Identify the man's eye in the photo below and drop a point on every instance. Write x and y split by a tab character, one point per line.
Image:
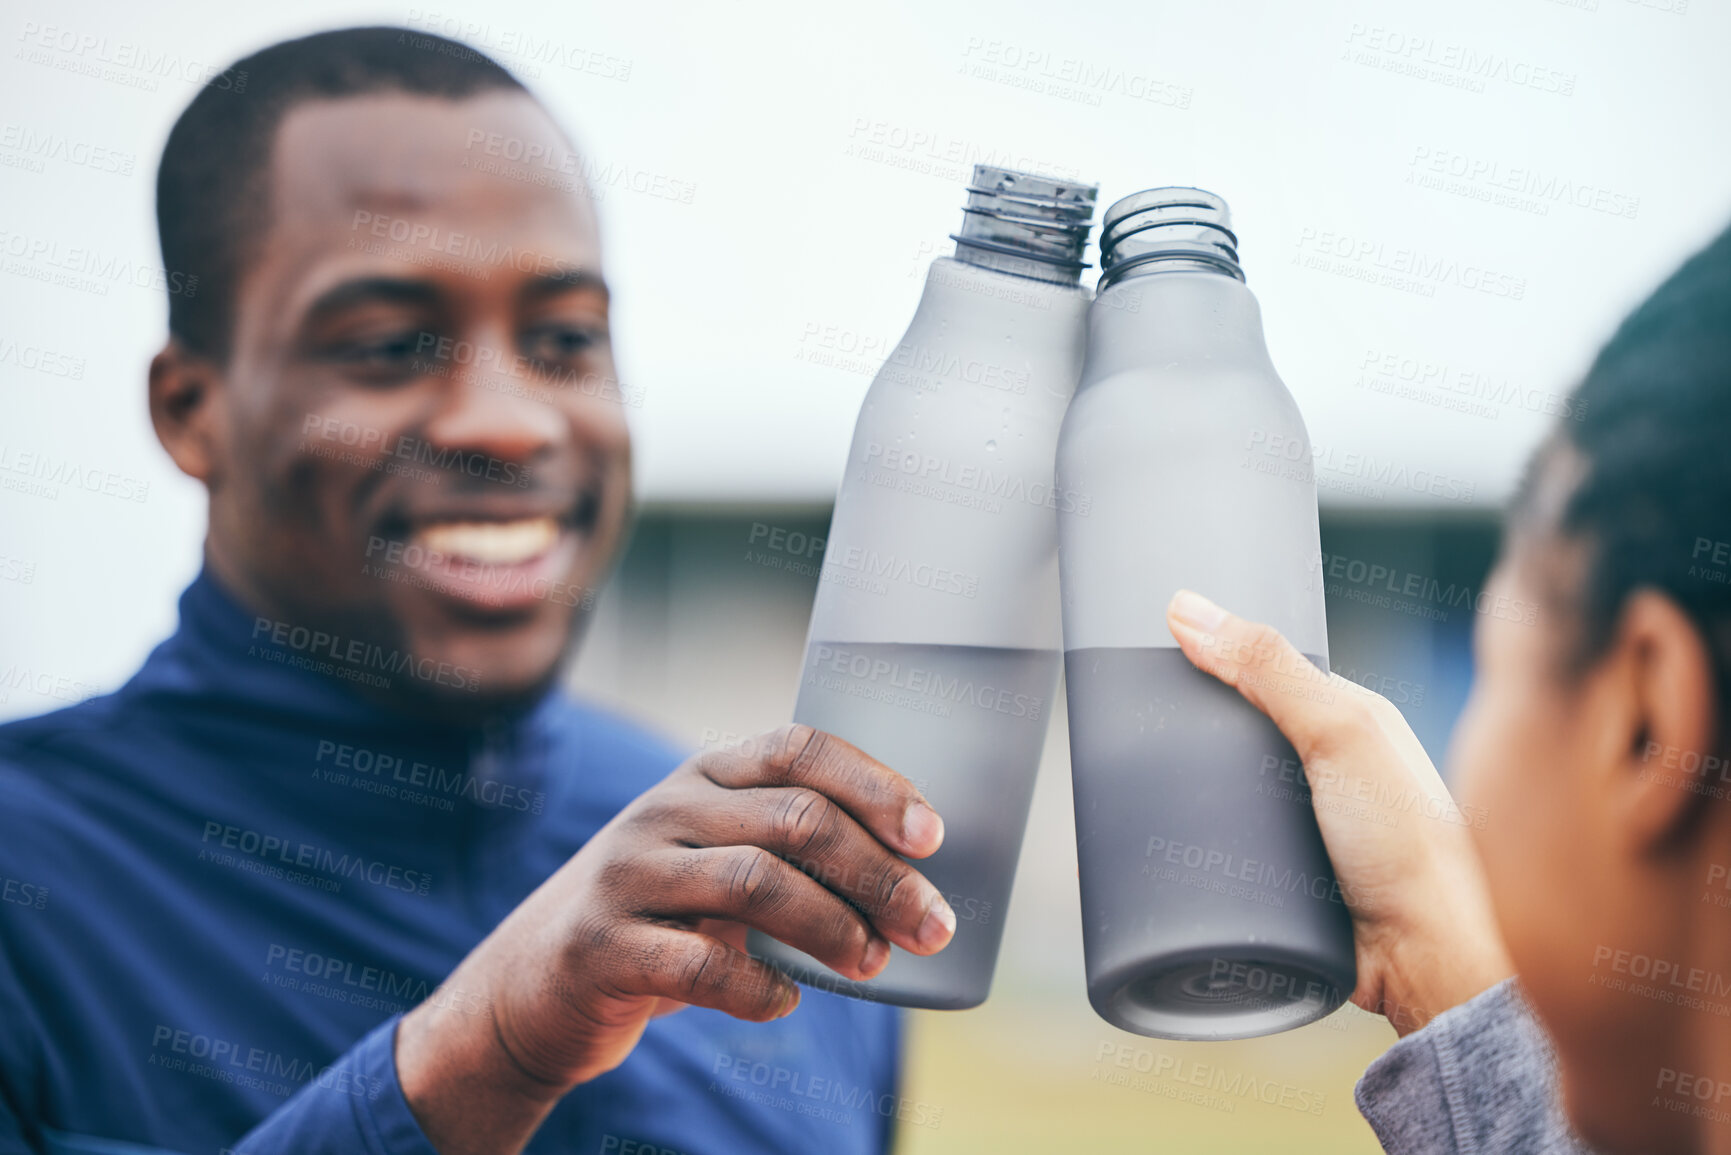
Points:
385	357
392	349
560	343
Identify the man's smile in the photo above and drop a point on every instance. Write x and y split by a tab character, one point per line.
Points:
496	557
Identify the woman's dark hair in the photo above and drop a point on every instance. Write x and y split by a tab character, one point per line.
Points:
212	187
1650	426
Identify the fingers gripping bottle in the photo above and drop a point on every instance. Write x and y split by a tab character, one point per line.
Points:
934	641
1209	909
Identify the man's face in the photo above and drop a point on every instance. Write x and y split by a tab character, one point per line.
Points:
424	443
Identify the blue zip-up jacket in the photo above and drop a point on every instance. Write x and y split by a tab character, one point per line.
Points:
221	886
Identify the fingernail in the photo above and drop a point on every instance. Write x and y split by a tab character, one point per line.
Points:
789	1002
939	923
1196	611
922	827
877	953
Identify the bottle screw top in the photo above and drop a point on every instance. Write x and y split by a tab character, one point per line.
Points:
1026	224
1167	228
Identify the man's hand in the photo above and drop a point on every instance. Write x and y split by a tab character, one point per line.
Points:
1424	933
795	833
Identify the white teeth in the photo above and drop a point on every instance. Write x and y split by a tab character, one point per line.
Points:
490	542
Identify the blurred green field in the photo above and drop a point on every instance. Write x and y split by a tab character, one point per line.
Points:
1046	1075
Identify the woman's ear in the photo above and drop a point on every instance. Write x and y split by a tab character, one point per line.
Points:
1673	768
188	409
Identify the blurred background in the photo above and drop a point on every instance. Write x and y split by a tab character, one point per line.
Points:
1443	209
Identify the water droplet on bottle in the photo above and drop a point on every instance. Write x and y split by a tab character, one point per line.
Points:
991	447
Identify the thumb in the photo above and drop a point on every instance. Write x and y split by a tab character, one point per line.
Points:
1307	704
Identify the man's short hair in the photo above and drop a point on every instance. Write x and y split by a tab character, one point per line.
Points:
213	186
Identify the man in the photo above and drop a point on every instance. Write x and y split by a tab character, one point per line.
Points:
347	787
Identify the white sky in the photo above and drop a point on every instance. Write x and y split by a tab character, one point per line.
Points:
824	154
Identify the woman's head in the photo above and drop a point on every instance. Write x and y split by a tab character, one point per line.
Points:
1596	737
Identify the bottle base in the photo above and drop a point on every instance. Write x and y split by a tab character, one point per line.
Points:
808	972
1215	997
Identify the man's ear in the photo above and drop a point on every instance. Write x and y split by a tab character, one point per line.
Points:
188	407
1672	771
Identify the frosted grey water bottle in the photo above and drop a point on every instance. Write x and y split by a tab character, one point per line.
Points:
934	641
1209	909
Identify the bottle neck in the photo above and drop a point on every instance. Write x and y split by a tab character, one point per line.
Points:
1188	316
1026	225
1016	264
1167	230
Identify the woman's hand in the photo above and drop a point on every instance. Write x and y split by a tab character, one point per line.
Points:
1423	930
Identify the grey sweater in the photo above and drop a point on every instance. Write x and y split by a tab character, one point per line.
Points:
1479	1079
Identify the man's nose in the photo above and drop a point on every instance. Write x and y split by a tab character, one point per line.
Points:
484	411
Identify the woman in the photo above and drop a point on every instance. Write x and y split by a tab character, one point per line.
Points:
1595	746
